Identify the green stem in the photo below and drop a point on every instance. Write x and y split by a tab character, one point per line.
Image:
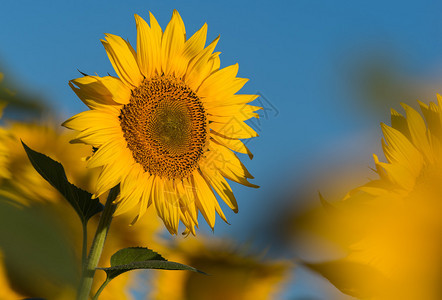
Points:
97	245
84	249
101	289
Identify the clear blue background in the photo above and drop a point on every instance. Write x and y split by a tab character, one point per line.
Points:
301	55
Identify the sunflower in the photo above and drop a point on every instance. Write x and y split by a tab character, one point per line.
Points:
390	228
165	129
237	274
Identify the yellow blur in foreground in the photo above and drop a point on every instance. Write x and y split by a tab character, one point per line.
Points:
391	227
30	192
232	274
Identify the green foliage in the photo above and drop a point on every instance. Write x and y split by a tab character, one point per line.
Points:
134	258
36	251
53	172
21	103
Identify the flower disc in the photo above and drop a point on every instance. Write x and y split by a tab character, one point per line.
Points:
165	127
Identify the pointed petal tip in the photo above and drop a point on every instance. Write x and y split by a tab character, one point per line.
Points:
76	141
138	19
405	106
254	186
134	221
393	111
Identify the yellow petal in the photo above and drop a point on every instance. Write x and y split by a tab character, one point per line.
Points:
131	190
220	185
146	182
124	205
233	144
157	32
186	192
111	174
432	116
199	68
91	119
226	159
148	49
222	83
121	55
224	114
97	92
165	205
399	174
400	123
215	62
204	198
172	47
96	138
107	153
232	100
234	129
195	44
399	150
418	131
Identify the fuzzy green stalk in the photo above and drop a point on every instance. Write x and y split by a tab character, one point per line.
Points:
84	248
101	289
97	245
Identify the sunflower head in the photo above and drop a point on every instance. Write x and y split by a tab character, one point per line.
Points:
238	274
167	126
390	228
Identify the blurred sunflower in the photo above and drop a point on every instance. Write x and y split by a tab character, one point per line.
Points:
165	129
21	183
391	227
233	274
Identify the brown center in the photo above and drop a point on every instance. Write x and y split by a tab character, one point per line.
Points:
165	127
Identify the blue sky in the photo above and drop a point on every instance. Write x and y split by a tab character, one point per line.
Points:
297	54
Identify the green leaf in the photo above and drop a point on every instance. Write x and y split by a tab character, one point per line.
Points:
133	254
53	172
134	258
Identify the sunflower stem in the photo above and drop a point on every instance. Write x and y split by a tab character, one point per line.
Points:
84	249
97	245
